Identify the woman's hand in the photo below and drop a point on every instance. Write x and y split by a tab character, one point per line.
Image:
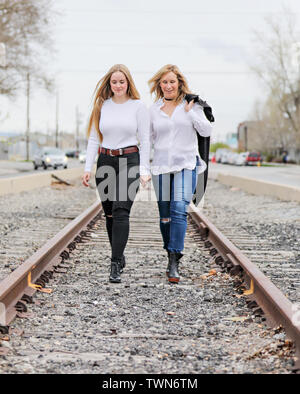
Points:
144	179
85	178
189	106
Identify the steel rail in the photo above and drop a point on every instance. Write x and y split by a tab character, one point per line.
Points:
277	308
22	281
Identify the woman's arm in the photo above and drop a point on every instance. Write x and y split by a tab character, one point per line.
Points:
201	124
143	123
91	152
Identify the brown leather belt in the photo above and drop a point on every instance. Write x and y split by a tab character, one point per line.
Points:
119	152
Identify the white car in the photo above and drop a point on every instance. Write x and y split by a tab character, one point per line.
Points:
232	157
82	156
240	160
219	153
225	157
49	156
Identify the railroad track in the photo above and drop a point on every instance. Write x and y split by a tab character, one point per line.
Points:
30	219
210	256
263	296
280	264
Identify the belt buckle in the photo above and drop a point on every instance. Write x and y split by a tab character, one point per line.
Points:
120	152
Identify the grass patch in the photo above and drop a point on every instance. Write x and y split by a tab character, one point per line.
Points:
270	165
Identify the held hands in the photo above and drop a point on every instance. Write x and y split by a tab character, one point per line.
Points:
189	106
144	179
85	179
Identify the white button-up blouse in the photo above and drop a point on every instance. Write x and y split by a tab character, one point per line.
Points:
174	139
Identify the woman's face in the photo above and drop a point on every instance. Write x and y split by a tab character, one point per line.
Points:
169	85
118	84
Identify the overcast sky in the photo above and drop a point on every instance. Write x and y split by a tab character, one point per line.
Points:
211	42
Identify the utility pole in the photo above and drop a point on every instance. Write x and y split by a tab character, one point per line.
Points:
78	123
295	52
28	116
2	54
57	113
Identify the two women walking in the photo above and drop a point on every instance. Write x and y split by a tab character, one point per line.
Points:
125	131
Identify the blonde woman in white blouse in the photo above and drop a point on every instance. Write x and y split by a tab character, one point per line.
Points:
120	125
176	160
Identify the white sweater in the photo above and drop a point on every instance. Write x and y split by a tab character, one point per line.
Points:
174	138
122	125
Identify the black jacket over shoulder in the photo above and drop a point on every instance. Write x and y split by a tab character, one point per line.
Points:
203	147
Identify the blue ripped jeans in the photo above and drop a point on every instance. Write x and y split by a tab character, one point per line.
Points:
174	192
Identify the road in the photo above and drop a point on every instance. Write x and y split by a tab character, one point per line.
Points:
10	168
283	174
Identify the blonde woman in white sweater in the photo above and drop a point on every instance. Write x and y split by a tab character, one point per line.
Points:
120	125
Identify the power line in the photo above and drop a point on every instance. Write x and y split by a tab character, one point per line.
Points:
180	33
151	72
170	45
155	12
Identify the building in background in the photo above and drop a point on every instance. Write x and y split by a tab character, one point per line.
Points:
273	144
247	135
7	140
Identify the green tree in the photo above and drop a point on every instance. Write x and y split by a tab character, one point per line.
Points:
218	145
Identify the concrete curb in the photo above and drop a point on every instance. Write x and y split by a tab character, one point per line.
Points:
33	181
250	185
258	187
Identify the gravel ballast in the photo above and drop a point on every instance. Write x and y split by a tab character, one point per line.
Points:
266	229
144	324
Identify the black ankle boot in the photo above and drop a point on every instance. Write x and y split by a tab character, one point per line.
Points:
168	266
123	263
115	272
173	269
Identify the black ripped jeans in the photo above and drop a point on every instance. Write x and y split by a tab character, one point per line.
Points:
117	180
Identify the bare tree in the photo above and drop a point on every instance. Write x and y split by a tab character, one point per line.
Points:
270	130
25	29
275	68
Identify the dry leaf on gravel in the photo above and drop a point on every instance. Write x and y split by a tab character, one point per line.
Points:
237	318
212	272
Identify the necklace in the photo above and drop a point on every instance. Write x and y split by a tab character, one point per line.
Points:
168	99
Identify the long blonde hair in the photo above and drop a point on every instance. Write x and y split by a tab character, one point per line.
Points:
154	82
103	92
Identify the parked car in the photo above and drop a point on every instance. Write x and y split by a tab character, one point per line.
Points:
50	157
232	157
225	156
253	158
82	156
72	153
219	153
240	159
222	155
248	158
